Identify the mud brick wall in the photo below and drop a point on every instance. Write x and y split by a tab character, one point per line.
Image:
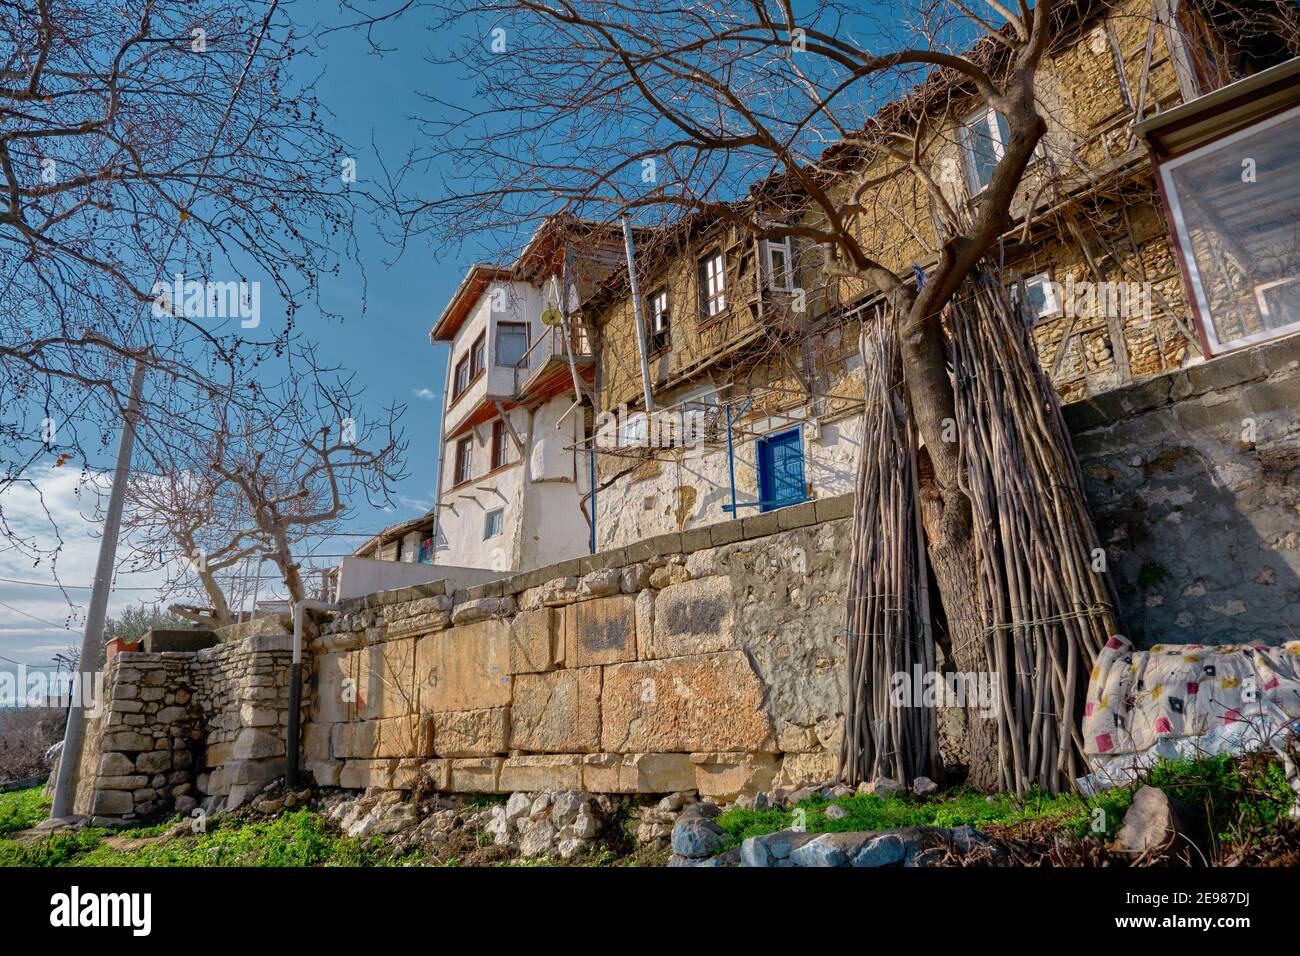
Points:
709	660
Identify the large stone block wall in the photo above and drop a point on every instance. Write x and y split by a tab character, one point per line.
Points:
710	660
182	728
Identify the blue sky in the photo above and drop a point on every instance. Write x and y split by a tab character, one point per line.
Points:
373	99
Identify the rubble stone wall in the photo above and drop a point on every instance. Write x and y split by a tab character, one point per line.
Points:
1194	482
178	728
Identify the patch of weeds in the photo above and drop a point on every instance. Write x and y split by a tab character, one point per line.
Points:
477	801
1239	795
298	838
869	812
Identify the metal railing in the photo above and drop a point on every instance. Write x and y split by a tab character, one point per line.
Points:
553	338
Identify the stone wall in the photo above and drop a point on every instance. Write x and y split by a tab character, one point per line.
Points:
709	660
179	728
1194	483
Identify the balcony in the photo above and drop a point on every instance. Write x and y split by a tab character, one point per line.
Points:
545	360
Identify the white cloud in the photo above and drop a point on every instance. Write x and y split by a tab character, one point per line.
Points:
40	620
423	394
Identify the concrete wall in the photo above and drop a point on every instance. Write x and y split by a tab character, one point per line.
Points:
358	576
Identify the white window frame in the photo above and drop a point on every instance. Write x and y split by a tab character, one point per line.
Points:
786	245
633	432
714	269
1191	268
660	316
988	116
1051	303
500	515
466	442
511	327
581	341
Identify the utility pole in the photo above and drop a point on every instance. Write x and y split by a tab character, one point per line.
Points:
93	638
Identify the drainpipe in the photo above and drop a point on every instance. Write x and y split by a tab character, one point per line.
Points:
591	468
295	690
640	321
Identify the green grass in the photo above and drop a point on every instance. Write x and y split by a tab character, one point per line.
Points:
1241	796
21	810
299	837
868	812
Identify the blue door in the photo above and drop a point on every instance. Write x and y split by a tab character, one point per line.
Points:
780	470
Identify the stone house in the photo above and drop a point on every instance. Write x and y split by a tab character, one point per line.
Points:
1113	255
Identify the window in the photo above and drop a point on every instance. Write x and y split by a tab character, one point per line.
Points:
478	356
660	319
1041	299
492	523
512	344
632	432
464	450
780	470
581	341
1235	203
426	551
780	264
499	437
713	297
462	377
984	138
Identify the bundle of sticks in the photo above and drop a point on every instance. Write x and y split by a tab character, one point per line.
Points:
888	629
1047	605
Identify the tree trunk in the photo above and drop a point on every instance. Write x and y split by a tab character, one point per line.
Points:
946	514
207	578
966	736
1025	610
220	607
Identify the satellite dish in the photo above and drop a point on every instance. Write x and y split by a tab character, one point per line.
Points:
552	317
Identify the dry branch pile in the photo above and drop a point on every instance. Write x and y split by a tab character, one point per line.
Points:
889	615
1046	610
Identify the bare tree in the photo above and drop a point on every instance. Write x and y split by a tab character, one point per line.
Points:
192	522
301	459
259	477
144	143
788	123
